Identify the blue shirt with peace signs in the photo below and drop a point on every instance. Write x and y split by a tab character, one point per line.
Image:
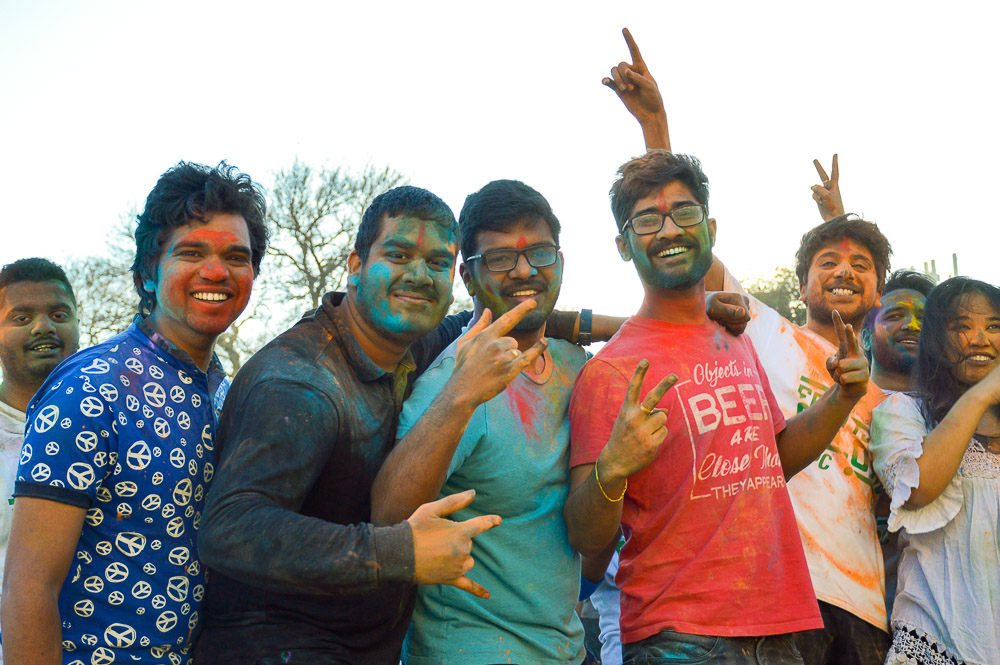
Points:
126	430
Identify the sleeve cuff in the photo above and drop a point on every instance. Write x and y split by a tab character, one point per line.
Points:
50	492
925	519
394	553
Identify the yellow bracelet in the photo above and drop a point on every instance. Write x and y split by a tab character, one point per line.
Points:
598	477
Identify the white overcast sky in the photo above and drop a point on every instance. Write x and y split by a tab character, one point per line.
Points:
99	98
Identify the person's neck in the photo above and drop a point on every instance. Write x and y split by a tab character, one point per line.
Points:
888	379
384	350
17	395
826	329
196	345
684	305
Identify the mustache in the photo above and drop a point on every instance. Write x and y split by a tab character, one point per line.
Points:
661	245
50	340
422	291
525	285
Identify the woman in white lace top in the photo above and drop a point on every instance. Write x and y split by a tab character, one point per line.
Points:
937	451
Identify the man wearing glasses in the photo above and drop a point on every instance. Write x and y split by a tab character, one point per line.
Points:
512	447
694	462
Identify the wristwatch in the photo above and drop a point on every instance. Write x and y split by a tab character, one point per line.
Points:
586	322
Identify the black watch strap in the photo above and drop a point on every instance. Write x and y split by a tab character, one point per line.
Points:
586	323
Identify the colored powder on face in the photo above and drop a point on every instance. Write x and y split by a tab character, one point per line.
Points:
521	243
661	201
420	236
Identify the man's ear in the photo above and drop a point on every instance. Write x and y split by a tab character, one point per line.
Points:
466	274
354	265
711	230
878	300
624	250
866	340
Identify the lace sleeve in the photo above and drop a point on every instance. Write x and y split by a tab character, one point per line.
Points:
898	432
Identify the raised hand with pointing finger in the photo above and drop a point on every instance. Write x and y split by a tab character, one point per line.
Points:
827	195
487	360
637	89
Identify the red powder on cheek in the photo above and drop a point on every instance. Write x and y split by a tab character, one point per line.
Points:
521	243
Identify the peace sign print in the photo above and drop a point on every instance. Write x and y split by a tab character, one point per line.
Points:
102	656
126	488
80	476
130	544
131	402
25	454
116	572
46	418
177	588
86	441
183	376
182	492
151	502
166	621
155	372
175	527
51	448
119	635
177	458
184	420
97	366
108	392
134	365
154	394
138	456
94	517
177	394
91	407
179	556
93	584
141	590
161	427
41	473
83	608
103	548
116	598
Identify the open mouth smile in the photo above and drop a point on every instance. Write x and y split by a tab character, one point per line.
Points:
672	251
206	296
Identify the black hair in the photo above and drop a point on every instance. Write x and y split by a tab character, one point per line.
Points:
845	226
34	270
644	175
900	279
413	201
935	384
188	192
496	206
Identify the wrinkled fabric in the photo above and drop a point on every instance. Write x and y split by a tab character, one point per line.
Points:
947	581
296	565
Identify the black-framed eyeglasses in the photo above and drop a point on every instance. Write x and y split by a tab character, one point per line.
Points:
505	260
651	222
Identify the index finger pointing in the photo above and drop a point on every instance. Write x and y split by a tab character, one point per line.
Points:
838	326
506	323
633	48
654	396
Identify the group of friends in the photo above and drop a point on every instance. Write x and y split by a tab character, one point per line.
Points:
383	482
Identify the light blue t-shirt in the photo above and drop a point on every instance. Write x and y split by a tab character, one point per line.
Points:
515	454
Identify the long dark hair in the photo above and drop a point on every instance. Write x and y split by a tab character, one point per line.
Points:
936	385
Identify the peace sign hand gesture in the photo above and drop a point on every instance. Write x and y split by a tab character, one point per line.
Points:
848	366
827	195
639	429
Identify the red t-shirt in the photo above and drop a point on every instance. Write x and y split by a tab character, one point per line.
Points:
713	548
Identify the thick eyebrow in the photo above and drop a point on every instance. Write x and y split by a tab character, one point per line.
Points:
406	243
200	244
48	306
675	206
836	255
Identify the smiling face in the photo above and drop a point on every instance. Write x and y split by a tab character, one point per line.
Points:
841	277
973	348
403	289
896	332
501	292
673	257
203	282
38	330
